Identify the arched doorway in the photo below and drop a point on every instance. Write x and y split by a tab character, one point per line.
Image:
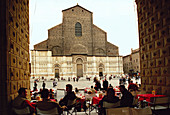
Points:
57	71
100	72
101	66
79	67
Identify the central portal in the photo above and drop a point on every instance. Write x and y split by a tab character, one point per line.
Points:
79	70
79	67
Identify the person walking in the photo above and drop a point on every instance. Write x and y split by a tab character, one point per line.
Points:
43	85
105	84
35	85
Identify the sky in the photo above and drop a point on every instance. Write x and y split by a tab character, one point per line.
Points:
116	17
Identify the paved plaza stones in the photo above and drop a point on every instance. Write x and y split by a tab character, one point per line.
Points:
81	84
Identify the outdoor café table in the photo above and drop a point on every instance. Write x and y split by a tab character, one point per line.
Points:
147	97
96	100
82	99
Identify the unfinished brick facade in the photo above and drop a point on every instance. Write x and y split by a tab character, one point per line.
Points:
63	41
75	39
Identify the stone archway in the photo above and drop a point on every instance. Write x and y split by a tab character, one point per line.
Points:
100	72
57	71
79	63
57	75
101	67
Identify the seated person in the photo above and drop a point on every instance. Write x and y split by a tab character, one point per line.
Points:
52	97
132	86
92	90
109	97
127	97
69	96
47	104
21	101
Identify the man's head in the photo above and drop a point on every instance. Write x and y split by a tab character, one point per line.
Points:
45	93
69	88
22	92
122	88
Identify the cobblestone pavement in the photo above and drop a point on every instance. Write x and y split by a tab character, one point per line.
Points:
81	84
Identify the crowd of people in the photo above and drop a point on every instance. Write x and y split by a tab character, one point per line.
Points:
45	99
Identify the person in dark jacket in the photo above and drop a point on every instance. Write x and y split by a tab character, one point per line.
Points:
97	84
105	84
127	97
46	104
69	96
43	85
110	98
21	101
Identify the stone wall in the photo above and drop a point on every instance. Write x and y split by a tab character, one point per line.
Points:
154	38
14	50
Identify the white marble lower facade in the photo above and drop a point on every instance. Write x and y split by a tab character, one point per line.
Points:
43	64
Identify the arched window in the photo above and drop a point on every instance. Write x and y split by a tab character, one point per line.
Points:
78	29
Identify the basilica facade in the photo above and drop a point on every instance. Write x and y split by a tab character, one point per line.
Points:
75	48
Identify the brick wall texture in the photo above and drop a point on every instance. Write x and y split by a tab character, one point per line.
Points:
14	50
154	38
63	41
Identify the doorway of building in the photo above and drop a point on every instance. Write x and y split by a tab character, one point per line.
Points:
79	70
57	73
100	72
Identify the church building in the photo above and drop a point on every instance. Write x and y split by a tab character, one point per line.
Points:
75	48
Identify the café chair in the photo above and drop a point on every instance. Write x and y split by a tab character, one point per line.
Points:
129	111
23	111
141	111
159	101
88	99
135	102
108	105
118	111
73	106
53	111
